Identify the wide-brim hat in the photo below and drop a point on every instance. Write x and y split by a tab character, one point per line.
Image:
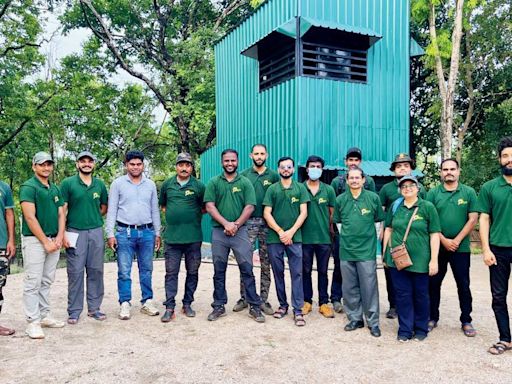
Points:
402	158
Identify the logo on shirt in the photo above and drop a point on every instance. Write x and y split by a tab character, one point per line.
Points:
95	195
417	217
236	189
56	199
322	200
295	200
462	202
189	192
266	182
365	211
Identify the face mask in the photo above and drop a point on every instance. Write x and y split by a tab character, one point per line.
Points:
314	173
506	171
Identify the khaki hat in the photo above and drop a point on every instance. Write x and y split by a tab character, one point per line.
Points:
402	158
184	157
41	157
86	154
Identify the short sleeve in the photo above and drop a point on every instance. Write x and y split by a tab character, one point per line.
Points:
268	200
423	192
304	195
382	196
103	194
371	184
27	194
337	210
434	224
162	199
64	190
331	196
430	196
484	200
389	219
209	194
379	212
60	199
249	193
7	195
473	201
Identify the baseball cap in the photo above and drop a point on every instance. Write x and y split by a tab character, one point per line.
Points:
41	157
354	152
86	154
184	157
408	178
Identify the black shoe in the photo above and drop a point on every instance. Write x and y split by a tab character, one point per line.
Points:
240	305
391	314
216	313
255	313
402	339
353	325
168	315
375	331
188	311
420	337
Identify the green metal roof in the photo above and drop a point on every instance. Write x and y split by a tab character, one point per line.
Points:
415	49
307	23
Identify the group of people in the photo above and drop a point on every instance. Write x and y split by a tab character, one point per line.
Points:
269	210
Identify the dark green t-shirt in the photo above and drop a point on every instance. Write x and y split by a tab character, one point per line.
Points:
285	203
260	182
315	229
425	222
183	210
390	192
340	184
47	201
495	199
84	202
230	197
453	208
358	238
6	202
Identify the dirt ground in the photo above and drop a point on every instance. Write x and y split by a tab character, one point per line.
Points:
235	349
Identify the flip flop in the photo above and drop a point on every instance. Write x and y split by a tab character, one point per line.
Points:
299	320
280	313
6	331
72	320
97	315
499	348
468	330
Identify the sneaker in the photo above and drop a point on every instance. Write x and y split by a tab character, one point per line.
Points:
240	305
34	330
307	308
267	309
124	311
391	314
168	315
403	339
216	313
149	308
420	337
338	306
353	325
255	313
188	311
326	310
50	322
375	331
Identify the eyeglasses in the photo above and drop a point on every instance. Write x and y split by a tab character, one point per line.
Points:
408	186
286	167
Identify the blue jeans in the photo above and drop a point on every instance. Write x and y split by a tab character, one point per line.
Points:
173	254
131	242
322	253
294	253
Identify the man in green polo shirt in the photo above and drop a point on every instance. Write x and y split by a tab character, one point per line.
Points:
495	205
261	178
357	210
389	193
316	236
7	242
456	206
230	201
181	199
85	202
285	211
42	233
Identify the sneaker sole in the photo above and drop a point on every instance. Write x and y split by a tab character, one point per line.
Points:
34	337
148	312
218	317
258	320
123	317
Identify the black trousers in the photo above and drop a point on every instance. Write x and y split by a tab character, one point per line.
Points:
499	275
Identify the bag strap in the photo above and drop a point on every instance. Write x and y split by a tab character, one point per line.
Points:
409	225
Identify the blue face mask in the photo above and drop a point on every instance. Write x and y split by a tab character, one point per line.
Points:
314	173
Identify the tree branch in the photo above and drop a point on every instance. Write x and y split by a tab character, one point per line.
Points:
18	47
3	10
236	4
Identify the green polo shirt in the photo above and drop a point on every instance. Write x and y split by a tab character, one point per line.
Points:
47	201
285	203
84	202
315	229
495	199
358	238
260	182
230	197
390	192
6	202
425	222
183	210
453	208
340	184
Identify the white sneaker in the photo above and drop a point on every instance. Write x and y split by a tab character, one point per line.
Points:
149	308
124	311
34	330
50	322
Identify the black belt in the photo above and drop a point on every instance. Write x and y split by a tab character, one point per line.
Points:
132	226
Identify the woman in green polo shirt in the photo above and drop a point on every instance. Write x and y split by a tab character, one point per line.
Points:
411	283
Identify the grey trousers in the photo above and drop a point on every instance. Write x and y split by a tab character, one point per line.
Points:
360	291
87	256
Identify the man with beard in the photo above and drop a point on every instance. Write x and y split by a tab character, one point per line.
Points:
456	205
181	199
133	209
230	201
358	210
495	205
7	242
42	234
261	178
353	159
85	202
389	193
285	211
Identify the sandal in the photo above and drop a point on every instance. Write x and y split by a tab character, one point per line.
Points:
499	348
6	331
280	313
97	315
468	330
72	320
299	320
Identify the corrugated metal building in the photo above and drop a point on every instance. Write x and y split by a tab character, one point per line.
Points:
315	77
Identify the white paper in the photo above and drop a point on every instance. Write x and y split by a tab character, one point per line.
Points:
72	238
